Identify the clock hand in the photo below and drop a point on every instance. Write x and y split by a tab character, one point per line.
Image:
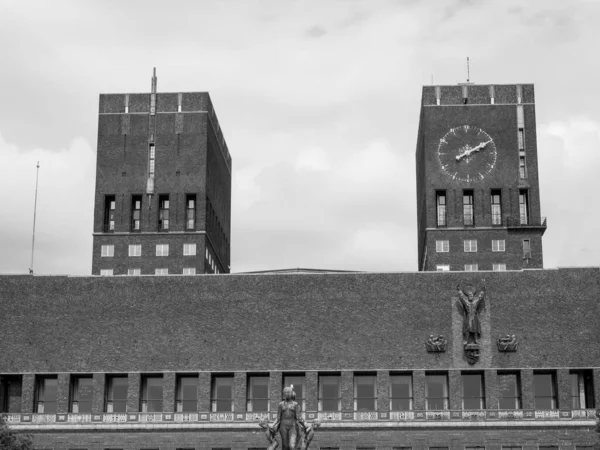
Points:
471	150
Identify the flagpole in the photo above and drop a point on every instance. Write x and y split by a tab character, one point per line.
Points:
34	213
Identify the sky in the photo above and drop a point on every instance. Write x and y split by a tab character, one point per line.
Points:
319	104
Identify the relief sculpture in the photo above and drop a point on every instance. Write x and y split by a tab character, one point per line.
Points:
471	302
508	343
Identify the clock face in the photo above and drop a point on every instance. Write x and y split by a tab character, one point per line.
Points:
467	153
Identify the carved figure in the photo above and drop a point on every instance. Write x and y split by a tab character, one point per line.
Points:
270	434
471	304
436	344
508	343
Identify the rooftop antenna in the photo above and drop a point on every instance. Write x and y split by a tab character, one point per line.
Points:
34	214
468	72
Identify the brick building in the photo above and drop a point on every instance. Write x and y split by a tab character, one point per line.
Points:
163	186
478	199
193	362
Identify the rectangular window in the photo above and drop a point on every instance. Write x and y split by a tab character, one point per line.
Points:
163	212
187	393
258	393
442	268
135	250
189	249
116	393
582	389
509	391
470	245
521	139
152	394
496	207
473	396
330	394
151	160
109	213
526	248
299	384
548	447
499	267
365	393
442	246
498	245
106	272
10	392
134	271
471	267
161	271
107	250
522	167
441	208
401	392
544	390
45	395
82	390
190	218
436	392
468	215
136	212
189	271
523	208
162	249
222	393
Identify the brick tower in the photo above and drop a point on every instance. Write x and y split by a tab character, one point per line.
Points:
163	186
478	198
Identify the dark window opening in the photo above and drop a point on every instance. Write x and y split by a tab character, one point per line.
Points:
523	208
468	213
365	393
436	392
82	390
472	391
163	213
330	398
582	389
258	393
187	393
46	394
401	396
152	394
509	391
441	209
116	394
222	393
109	213
136	212
11	392
544	390
190	217
496	207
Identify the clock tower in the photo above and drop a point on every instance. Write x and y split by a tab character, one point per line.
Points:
478	198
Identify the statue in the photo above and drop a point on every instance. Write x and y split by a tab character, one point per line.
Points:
508	343
436	344
295	434
471	304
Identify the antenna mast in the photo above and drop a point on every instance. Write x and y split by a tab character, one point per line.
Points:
34	214
468	72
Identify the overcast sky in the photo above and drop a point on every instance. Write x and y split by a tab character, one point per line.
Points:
319	103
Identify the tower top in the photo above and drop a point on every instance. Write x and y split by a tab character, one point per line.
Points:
153	87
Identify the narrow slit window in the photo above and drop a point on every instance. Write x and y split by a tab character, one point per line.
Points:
496	207
163	213
109	213
190	223
441	209
136	212
468	212
523	207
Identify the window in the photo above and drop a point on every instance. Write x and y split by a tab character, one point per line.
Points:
438	448
526	248
109	213
522	167
190	222
548	447
498	245
441	208
116	393
471	267
468	208
299	383
45	396
504	447
496	207
258	393
108	250
82	390
163	212
134	271
222	393
106	272
161	271
135	250
509	391
10	393
474	448
136	212
365	393
499	267
189	249
582	389
401	393
401	448
189	271
523	208
436	392
442	268
152	393
162	249
151	159
187	393
442	246
330	398
472	391
544	390
470	245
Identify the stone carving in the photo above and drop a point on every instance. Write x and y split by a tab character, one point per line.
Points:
508	343
436	344
294	433
471	302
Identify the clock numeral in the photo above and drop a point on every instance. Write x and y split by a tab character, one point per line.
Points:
443	140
